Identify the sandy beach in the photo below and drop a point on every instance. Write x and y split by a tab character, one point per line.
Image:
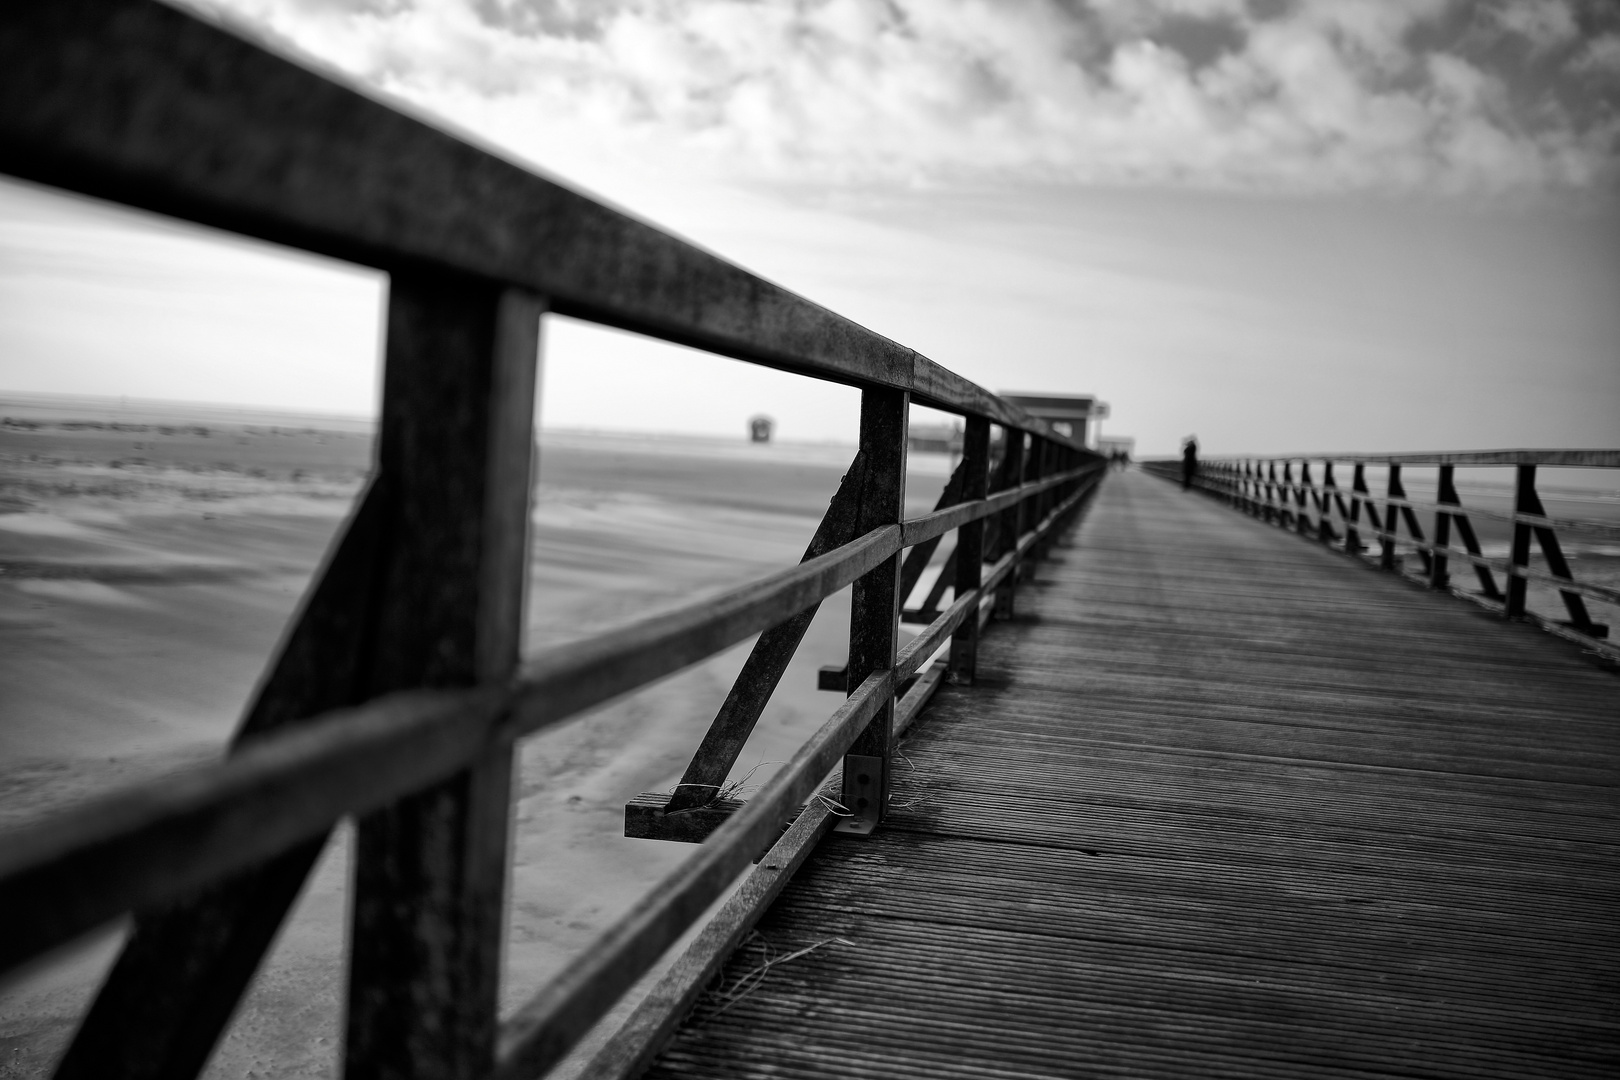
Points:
151	555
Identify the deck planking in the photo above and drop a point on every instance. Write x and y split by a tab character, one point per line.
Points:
1223	803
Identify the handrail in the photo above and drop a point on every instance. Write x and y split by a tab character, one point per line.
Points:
1600	458
1267	487
396	695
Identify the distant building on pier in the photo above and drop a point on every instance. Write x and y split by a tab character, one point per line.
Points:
1074	415
1109	445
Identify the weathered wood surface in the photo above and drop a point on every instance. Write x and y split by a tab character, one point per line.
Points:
1222	803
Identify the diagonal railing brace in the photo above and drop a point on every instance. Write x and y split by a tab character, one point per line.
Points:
756	682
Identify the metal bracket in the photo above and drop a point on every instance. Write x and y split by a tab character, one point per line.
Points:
863	794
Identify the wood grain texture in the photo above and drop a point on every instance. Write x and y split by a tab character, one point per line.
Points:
541	1031
874	604
457	436
1221	803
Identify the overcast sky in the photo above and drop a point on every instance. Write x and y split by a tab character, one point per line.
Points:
1329	225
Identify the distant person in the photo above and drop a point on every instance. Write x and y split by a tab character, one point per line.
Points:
1189	460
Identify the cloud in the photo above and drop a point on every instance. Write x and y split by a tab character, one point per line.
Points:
1296	95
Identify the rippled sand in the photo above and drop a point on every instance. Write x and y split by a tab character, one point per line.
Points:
150	557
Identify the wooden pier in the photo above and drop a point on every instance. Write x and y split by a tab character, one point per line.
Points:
1210	798
1223	804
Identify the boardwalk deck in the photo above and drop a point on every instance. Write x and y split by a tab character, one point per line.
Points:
1225	804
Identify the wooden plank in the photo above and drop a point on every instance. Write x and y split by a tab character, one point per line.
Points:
545	1028
457	436
137	102
1180	829
641	1036
874	606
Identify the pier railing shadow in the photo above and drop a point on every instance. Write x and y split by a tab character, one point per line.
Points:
1380	527
397	693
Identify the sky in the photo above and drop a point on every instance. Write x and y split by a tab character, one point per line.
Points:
1283	225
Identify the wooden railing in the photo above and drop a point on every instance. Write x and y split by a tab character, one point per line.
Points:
397	693
1303	494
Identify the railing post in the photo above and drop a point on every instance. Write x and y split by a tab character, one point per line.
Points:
1439	578
970	548
874	621
439	531
429	875
1307	499
1330	500
1359	495
1012	467
1029	509
1047	464
1524	500
1392	491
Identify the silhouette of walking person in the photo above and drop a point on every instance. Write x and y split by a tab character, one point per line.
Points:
1189	460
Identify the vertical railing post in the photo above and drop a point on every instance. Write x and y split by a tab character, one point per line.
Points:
1330	499
1012	467
874	620
1034	459
1392	491
429	876
1048	464
1307	499
970	548
1439	577
1359	495
1029	508
1525	501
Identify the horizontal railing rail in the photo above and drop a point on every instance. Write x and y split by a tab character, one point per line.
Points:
1284	491
397	692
